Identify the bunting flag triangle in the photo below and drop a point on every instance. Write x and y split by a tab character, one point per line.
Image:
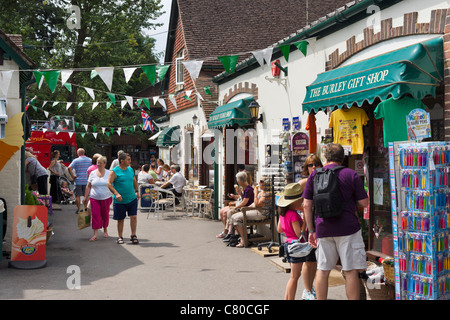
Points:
68	86
38	77
147	103
95	104
155	100
150	71
83	134
46	114
65	75
5	81
193	67
94	134
312	44
128	72
163	103
119	130
108	105
208	91
44	103
94	128
106	73
85	127
130	101
80	105
94	73
285	50
162	70
302	46
103	130
51	77
55	103
263	55
70	134
90	92
229	62
112	97
173	100
199	96
68	104
123	103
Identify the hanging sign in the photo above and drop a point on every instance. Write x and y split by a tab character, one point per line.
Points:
299	153
286	124
418	124
296	123
29	237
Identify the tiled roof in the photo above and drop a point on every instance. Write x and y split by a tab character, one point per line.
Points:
222	27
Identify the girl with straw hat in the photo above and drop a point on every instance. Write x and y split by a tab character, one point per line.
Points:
291	224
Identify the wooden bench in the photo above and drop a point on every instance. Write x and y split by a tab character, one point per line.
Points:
249	224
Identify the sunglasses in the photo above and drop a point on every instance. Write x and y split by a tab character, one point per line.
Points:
313	165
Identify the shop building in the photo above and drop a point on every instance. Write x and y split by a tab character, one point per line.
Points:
12	103
197	32
363	55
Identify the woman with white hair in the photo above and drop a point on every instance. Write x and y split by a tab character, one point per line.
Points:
247	199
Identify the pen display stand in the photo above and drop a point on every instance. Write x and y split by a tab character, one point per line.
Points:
420	174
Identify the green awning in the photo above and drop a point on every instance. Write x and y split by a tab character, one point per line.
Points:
169	137
236	112
417	69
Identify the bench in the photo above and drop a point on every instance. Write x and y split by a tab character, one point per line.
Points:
249	224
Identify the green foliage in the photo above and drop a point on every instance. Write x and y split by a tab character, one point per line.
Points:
111	34
30	198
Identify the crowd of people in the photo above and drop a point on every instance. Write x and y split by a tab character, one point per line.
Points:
331	238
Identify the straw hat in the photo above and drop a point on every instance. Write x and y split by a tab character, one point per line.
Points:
292	192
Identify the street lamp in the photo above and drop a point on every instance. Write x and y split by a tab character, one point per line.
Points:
195	120
254	110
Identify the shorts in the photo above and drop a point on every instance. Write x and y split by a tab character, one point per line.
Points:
121	209
350	249
311	257
80	190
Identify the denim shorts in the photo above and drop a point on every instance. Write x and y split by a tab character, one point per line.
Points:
311	257
121	209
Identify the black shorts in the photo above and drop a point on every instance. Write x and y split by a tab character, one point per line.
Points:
311	257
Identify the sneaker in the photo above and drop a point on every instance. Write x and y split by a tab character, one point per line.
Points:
308	295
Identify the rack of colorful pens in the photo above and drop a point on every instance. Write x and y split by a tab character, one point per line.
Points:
423	235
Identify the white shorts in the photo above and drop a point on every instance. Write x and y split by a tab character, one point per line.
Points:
350	249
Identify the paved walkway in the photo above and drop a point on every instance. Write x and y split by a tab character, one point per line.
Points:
178	258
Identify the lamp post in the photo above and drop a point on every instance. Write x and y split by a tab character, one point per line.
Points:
254	110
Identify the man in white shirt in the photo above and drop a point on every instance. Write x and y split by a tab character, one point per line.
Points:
176	183
115	162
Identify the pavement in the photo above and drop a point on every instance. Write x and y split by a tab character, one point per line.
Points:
178	258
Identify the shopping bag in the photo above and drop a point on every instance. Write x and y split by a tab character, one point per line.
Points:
84	218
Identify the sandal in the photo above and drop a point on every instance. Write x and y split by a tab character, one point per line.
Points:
94	238
221	235
134	239
120	240
240	245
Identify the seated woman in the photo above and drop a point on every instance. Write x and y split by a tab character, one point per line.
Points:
238	218
247	199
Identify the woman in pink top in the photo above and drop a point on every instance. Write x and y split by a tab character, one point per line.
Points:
291	224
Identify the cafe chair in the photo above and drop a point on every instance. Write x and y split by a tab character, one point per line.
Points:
202	198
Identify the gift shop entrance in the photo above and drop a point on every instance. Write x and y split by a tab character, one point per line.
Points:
368	103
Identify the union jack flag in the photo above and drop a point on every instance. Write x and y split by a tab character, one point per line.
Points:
148	125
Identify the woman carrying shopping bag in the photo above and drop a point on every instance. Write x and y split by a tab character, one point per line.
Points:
101	198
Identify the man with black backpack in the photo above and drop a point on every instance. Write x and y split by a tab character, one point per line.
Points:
331	196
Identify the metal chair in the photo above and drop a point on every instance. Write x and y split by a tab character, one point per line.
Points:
155	196
188	196
167	199
202	198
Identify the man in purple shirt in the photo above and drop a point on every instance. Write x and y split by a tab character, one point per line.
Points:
338	237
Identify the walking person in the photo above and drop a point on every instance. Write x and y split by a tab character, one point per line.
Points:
56	171
292	225
115	162
97	192
80	165
338	236
123	185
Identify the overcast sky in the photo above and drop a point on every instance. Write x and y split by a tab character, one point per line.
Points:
160	34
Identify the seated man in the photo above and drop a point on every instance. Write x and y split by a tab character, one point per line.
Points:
176	182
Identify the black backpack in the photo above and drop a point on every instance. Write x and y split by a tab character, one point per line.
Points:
327	195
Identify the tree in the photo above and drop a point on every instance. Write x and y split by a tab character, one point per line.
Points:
110	33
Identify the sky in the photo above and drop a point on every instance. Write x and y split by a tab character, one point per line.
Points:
160	34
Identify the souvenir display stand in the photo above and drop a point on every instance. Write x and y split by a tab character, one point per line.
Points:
419	174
